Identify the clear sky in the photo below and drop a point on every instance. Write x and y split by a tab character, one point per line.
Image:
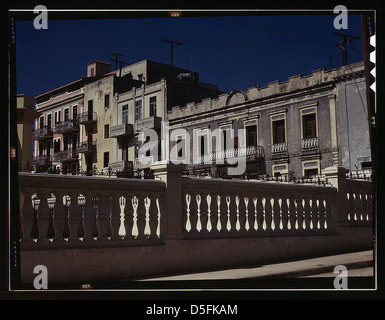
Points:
234	52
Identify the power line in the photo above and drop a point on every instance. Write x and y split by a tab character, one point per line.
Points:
274	31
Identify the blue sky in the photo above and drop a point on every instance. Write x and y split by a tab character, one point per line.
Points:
234	52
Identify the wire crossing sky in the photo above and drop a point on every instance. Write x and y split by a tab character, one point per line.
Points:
234	52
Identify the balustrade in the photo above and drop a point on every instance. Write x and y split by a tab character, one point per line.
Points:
359	201
224	208
72	210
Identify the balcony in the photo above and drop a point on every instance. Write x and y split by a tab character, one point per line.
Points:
144	162
279	149
87	117
65	155
121	130
86	146
123	165
42	133
310	144
217	157
67	126
39	160
148	123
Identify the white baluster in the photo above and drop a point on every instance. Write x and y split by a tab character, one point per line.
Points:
272	214
158	228
288	214
208	226
219	224
228	225
237	225
355	207
122	228
311	213
348	206
264	226
51	201
255	214
296	226
199	224
325	214
280	214
147	204
247	226
318	217
188	201
303	215
135	231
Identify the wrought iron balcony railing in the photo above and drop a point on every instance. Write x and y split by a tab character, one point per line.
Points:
87	117
148	123
65	155
86	146
121	130
39	160
66	126
123	165
144	162
42	133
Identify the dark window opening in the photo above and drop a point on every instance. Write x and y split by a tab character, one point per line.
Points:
279	131
251	135
106	159
309	126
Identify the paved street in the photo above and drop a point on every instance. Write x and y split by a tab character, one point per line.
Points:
357	264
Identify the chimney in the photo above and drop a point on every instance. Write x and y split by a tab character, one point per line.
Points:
97	68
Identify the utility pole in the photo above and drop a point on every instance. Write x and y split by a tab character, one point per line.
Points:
172	53
344	46
116	59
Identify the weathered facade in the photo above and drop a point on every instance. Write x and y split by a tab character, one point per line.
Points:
295	127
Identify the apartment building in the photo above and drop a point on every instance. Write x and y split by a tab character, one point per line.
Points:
297	127
93	123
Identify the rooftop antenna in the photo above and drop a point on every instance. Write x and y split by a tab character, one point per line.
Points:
344	46
120	66
116	59
172	53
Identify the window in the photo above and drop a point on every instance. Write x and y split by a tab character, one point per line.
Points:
66	114
106	159
41	148
203	141
57	116
92	72
106	101
106	131
251	135
310	168
65	143
308	173
181	146
279	131
42	122
56	145
74	112
309	127
225	138
49	122
153	106
138	109
125	113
